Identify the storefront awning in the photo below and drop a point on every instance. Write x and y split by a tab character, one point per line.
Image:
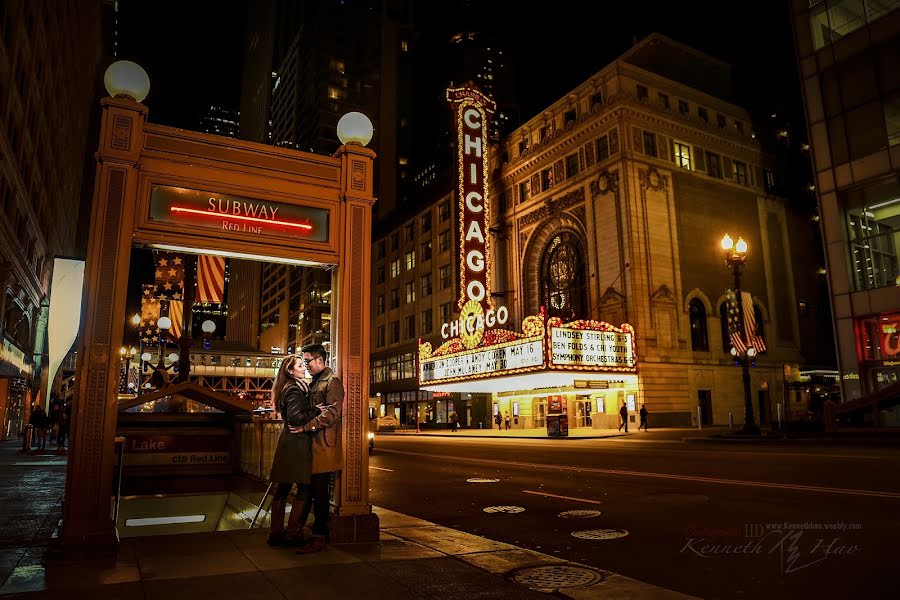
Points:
528	381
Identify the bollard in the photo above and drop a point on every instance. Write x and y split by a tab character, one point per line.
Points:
779	416
730	421
699	417
27	435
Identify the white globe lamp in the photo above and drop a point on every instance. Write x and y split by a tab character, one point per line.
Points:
128	79
355	128
164	323
146	357
173	357
208	326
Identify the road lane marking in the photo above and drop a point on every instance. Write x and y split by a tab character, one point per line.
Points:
562	497
381	468
646	474
591	444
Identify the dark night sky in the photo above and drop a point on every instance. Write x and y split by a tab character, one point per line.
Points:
193	50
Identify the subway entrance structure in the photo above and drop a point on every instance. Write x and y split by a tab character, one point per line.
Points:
165	188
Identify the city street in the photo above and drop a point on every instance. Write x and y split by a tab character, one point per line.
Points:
710	519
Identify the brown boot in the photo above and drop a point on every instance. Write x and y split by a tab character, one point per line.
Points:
293	533
316	543
276	527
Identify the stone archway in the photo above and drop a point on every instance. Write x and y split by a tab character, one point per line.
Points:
534	253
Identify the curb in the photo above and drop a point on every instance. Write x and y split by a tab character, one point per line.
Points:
504	437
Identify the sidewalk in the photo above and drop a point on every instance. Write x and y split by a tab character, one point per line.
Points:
414	559
537	432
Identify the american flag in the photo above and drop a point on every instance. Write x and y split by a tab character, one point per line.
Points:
169	275
174	309
740	339
149	332
133	378
210	278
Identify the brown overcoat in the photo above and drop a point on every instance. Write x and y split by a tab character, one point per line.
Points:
326	392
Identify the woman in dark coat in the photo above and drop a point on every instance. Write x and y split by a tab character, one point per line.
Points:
293	455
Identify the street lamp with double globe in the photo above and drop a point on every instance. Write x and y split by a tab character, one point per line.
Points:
736	258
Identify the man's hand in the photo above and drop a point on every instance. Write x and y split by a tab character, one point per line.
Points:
293	429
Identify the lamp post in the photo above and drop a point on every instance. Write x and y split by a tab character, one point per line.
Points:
736	258
126	354
164	323
136	321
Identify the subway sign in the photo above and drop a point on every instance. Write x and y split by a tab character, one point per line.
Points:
248	218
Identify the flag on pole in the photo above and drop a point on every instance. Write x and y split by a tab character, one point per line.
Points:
735	335
133	378
210	278
174	309
169	275
756	341
149	331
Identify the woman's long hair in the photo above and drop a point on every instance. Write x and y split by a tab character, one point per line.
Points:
283	378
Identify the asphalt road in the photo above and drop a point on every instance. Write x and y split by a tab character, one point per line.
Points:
711	520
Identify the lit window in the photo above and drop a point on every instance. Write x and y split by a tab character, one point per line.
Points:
410	260
404	46
740	172
410	292
395	267
683	155
334	93
445	277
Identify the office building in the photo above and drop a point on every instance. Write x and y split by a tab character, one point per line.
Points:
848	54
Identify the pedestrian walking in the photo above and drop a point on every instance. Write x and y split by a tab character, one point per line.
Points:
454	421
292	463
64	422
506	420
643	418
499	421
623	413
38	420
327	394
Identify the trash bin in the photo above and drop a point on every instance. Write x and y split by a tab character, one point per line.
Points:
557	425
27	435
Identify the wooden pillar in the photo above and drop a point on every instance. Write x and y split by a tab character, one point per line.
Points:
354	520
87	515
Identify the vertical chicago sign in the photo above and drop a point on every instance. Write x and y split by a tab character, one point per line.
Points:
472	111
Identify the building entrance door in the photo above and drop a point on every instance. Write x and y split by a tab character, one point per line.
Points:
704	401
540	412
583	413
762	400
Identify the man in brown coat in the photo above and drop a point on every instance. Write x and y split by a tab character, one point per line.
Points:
326	392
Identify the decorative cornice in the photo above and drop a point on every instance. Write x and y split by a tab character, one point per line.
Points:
553	205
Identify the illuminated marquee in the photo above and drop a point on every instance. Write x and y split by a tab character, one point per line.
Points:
590	345
549	345
235	215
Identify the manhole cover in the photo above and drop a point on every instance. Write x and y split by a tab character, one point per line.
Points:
579	514
600	534
549	578
481	480
504	509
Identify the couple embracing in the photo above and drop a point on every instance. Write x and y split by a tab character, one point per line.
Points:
309	449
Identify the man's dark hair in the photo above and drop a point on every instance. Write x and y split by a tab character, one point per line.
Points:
315	350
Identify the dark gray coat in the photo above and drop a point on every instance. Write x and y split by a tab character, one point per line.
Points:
293	455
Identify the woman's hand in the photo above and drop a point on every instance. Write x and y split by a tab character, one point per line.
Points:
301	429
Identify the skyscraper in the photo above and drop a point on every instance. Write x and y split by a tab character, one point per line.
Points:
43	142
848	55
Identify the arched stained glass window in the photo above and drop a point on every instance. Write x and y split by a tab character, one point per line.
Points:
562	277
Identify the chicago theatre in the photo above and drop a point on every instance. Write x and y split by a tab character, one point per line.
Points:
579	262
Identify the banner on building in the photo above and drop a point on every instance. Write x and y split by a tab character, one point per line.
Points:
210	278
66	288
